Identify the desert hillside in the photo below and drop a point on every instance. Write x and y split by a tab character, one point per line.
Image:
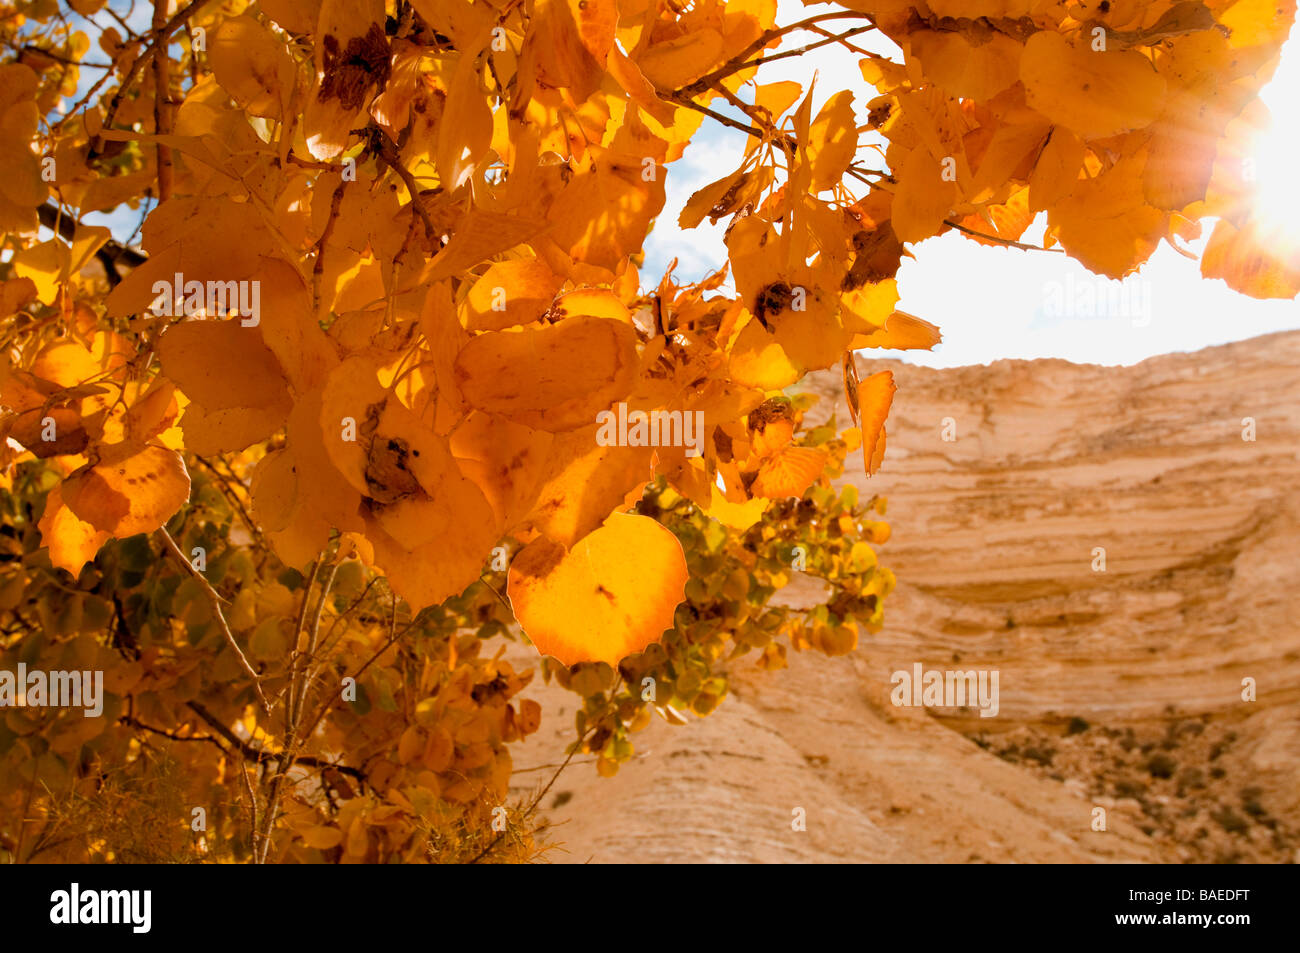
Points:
1120	689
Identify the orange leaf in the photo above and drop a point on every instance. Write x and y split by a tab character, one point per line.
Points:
583	481
552	378
510	293
877	454
238	393
1094	93
874	397
72	541
137	495
1249	262
788	472
611	595
902	332
506	460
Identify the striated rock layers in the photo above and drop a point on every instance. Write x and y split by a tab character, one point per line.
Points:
1119	688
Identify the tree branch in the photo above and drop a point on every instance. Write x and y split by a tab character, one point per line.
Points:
387	150
253	753
162	33
162	123
739	61
110	255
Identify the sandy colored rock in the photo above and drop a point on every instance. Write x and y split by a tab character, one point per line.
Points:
1120	689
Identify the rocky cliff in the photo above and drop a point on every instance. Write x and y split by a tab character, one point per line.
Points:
1119	544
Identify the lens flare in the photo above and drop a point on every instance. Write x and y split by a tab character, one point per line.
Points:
1275	155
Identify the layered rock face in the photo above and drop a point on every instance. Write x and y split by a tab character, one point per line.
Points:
1119	545
1001	530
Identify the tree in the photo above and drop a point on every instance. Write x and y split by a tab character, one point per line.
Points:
382	376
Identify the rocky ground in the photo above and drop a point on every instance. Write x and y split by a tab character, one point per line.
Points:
1120	689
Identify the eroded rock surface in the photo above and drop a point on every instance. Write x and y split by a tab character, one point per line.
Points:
1120	689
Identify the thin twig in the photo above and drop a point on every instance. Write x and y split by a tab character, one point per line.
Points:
252	807
67	229
318	266
150	50
388	152
258	755
290	713
738	62
60	58
313	640
800	51
681	99
393	636
997	239
214	598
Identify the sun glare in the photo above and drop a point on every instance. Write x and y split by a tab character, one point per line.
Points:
1276	151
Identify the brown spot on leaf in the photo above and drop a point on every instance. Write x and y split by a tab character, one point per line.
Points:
772	300
349	75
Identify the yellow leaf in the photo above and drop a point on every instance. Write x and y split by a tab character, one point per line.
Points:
832	141
237	391
20	170
867	309
72	542
968	68
870	404
321	838
510	293
478	236
269	641
137	495
777	97
924	196
551	378
739	516
1057	171
1106	223
1250	262
612	595
253	65
674	63
902	332
757	360
506	460
465	131
713	195
1096	94
45	264
583	481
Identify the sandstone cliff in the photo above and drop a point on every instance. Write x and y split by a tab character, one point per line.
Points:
1119	688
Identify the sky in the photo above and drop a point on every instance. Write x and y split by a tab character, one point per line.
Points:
996	303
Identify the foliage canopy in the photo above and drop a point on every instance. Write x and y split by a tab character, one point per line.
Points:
281	466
